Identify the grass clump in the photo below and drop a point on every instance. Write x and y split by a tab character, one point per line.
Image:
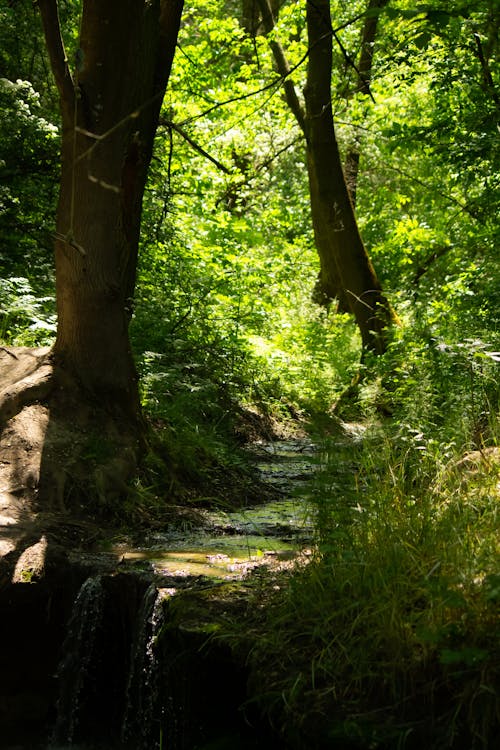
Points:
390	637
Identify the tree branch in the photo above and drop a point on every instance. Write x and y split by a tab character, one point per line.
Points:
49	13
429	261
283	66
488	78
432	188
267	162
173	126
275	83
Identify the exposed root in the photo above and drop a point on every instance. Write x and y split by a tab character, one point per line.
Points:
26	376
62	453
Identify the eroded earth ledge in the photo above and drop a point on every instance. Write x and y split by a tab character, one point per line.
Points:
98	648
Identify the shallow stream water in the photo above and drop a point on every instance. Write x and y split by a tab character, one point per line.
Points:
232	543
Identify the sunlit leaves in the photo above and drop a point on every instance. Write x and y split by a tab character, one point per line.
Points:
25	317
28	172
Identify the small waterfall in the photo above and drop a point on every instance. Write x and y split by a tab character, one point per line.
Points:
108	673
141	722
78	656
137	673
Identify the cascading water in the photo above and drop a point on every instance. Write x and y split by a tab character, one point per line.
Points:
78	657
140	722
96	660
108	675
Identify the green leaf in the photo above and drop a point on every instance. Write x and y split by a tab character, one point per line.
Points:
422	40
439	18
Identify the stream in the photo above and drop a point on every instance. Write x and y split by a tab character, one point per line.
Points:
231	543
121	683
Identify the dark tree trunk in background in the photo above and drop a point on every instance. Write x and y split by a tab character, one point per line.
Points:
251	14
343	255
110	108
362	86
346	272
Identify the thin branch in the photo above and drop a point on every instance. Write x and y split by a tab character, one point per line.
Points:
450	198
429	261
167	194
350	62
267	162
272	84
275	83
283	66
58	60
99	137
178	129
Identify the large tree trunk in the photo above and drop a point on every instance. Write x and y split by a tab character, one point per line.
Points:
88	421
110	110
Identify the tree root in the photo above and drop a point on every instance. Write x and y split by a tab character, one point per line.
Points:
26	376
61	449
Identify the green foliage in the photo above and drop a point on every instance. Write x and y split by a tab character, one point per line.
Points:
389	637
444	388
428	195
225	275
28	170
227	261
26	318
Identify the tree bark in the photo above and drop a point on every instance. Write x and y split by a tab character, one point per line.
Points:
344	257
110	108
251	15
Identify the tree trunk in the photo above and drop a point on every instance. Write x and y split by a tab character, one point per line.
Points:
110	111
346	272
343	255
362	85
91	434
251	16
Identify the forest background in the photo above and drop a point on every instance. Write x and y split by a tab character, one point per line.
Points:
225	321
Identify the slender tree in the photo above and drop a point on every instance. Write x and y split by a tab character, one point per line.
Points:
346	272
362	85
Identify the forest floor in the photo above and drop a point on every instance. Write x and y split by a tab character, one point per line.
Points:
38	536
53	458
23	371
37	447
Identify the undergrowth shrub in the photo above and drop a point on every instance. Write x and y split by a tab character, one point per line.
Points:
27	317
438	383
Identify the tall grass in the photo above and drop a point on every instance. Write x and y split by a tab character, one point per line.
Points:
390	638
